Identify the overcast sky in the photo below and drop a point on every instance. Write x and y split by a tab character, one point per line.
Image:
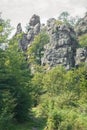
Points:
21	10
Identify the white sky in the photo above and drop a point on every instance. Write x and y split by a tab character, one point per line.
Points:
21	10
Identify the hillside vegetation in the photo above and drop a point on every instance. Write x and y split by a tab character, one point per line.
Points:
34	97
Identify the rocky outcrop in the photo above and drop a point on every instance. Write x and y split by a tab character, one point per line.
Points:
23	42
33	30
81	56
19	29
81	27
62	47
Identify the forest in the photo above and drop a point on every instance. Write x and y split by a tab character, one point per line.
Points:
33	97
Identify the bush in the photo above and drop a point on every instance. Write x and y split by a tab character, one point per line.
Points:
54	120
83	40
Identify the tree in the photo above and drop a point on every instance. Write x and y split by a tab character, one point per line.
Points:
37	86
15	77
65	98
6	109
37	47
53	81
5	30
19	80
66	18
7	101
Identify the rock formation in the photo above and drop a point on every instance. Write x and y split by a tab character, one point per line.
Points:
62	47
33	30
81	27
81	56
19	29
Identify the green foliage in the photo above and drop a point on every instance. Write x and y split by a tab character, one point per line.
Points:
23	106
58	22
65	120
53	122
53	80
83	40
5	30
15	78
65	18
6	110
65	94
36	49
7	101
37	87
19	81
58	96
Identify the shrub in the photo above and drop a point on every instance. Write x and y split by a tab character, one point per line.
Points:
83	40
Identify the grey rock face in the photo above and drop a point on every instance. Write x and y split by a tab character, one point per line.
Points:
23	42
81	56
30	34
81	53
62	47
81	27
33	30
34	27
19	29
35	19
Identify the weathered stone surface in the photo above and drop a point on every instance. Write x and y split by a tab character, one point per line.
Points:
81	53
81	56
81	27
35	19
33	30
34	27
30	34
62	47
23	42
19	29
